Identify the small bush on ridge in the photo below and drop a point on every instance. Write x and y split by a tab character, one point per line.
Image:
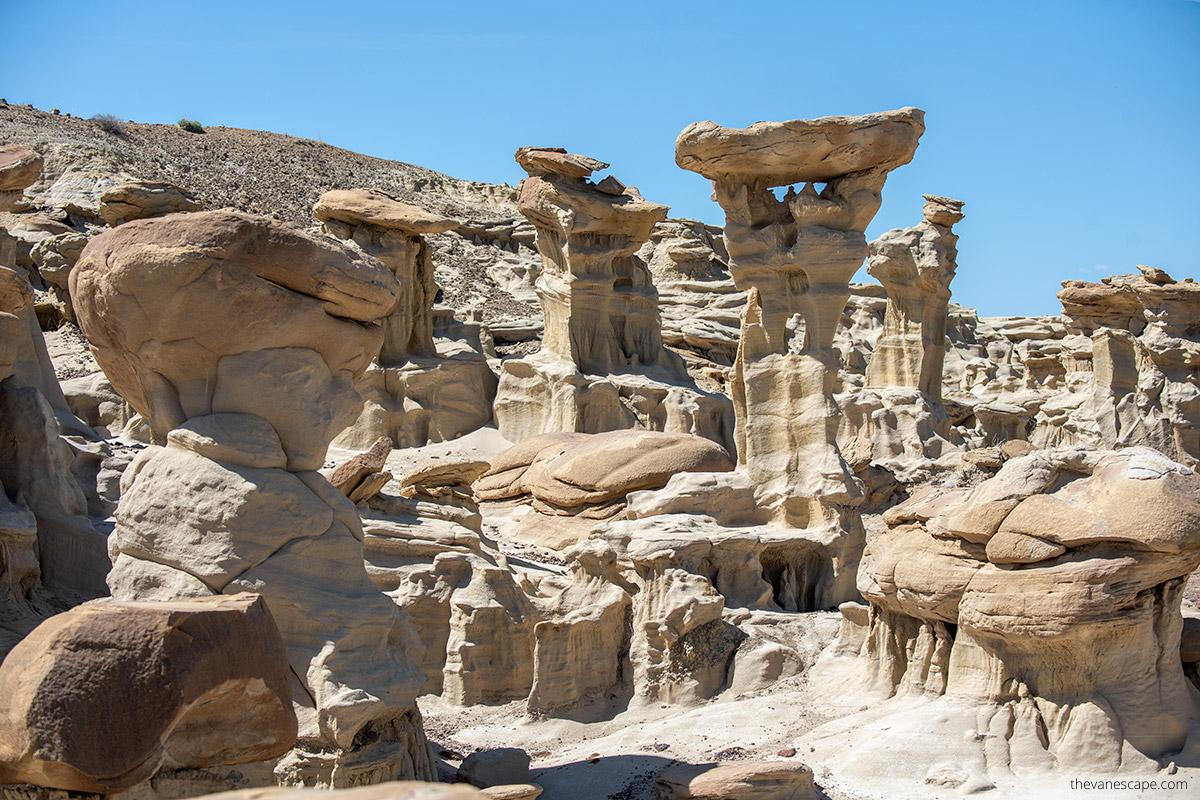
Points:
191	126
110	123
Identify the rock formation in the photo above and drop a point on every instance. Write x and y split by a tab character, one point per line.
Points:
900	410
97	698
1040	609
19	168
415	393
915	266
239	339
796	256
602	365
143	200
592	474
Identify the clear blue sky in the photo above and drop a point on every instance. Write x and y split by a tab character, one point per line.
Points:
1071	129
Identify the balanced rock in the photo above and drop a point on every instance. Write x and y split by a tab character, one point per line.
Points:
602	365
240	340
97	698
144	199
417	391
795	257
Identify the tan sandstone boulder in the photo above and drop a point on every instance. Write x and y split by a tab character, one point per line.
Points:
750	780
97	698
144	199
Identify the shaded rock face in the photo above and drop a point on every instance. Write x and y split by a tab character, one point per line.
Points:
240	339
1048	598
99	697
414	394
602	365
795	257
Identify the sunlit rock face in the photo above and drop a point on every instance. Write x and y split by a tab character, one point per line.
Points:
795	256
416	390
602	365
240	339
1041	608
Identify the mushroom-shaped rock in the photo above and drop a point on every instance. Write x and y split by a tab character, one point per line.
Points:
220	311
801	150
1048	594
144	199
98	697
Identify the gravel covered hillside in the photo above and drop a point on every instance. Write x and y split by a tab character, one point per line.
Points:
277	175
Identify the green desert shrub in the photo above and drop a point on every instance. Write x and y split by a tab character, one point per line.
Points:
191	126
110	123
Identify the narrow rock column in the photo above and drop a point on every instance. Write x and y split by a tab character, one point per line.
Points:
599	301
796	256
915	266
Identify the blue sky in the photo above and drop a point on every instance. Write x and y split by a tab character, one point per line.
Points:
1071	129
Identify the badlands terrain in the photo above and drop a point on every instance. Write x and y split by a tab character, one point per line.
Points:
333	472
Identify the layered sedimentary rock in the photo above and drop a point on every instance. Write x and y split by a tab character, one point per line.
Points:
99	697
1145	345
900	411
1041	608
415	393
795	257
602	365
239	339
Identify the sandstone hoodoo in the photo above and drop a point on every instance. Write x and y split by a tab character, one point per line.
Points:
240	339
602	365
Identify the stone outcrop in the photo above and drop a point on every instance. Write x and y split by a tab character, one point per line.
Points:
239	339
795	257
915	266
416	392
591	474
98	698
1042	606
47	535
753	780
19	169
143	200
602	365
900	410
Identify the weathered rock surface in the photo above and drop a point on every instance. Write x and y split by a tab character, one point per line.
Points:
795	257
755	780
99	697
592	473
414	393
143	200
1043	606
602	365
505	765
239	339
19	168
